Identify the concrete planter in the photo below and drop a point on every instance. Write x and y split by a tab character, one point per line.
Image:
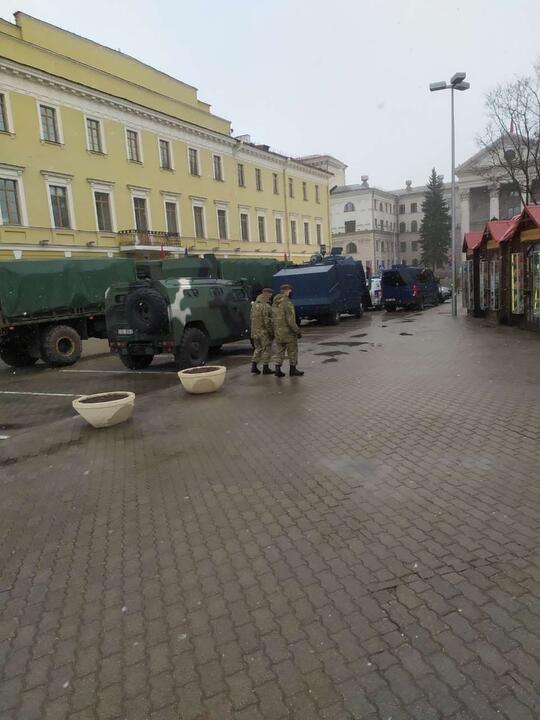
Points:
105	409
204	379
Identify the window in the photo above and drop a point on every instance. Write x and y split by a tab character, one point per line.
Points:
218	168
380	207
349	207
375	203
402	227
241	178
165	154
402	209
49	124
3	114
382	245
279	232
198	220
193	162
103	211
306	233
171	217
402	247
93	133
222	223
415	262
304	190
294	238
258	179
414	207
414	246
291	188
275	183
133	153
141	219
319	233
414	226
262	228
59	204
317	197
351	249
350	226
9	202
244	227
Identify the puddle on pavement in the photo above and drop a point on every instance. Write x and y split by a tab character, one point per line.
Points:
343	342
406	321
332	353
330	360
359	335
409	334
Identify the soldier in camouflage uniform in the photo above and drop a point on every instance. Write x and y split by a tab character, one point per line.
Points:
262	332
286	331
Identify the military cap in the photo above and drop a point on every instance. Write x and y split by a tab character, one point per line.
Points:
285	287
267	290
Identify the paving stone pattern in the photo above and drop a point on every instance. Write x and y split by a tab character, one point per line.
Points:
358	543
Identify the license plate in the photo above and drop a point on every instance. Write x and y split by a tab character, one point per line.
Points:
125	331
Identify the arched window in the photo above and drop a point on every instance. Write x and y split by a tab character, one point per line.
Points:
414	226
349	207
351	249
402	227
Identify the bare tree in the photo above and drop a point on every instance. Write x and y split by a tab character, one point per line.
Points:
512	136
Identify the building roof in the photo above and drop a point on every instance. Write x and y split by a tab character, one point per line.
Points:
342	189
495	229
322	156
529	215
472	240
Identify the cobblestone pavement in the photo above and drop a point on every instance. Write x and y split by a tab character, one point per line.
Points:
358	543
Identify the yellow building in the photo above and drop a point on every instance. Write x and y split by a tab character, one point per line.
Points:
100	153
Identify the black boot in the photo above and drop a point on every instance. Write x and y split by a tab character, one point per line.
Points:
254	369
267	371
293	372
278	372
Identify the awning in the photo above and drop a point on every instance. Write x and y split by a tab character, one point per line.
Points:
530	213
495	229
471	241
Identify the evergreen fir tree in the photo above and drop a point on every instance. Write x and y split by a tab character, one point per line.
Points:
436	224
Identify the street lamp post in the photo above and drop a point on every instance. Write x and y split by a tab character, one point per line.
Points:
457	82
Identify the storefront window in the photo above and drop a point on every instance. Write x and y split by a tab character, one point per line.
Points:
536	284
516	268
484	285
494	284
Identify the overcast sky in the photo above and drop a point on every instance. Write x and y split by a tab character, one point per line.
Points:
345	77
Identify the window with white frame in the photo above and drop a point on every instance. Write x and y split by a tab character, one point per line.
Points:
291	188
261	225
165	155
222	223
198	221
5	125
103	211
133	149
304	190
140	210
218	168
171	217
318	230
59	204
93	135
279	230
10	212
275	183
49	124
241	175
306	233
294	235
193	156
258	179
244	227
317	196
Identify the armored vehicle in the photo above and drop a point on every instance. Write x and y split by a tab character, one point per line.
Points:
183	316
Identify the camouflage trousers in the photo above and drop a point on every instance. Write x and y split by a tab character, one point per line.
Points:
290	347
262	351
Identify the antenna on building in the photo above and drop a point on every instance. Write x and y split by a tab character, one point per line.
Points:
364	179
408	184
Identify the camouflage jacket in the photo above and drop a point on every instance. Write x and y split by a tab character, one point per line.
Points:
261	317
284	317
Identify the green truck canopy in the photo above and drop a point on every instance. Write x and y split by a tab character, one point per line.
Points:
45	287
257	272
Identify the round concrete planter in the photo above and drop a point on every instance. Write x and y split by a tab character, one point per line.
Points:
105	409
206	379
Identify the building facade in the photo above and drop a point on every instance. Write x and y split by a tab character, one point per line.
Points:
101	154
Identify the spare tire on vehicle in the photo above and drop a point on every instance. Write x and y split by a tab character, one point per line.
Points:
60	345
147	311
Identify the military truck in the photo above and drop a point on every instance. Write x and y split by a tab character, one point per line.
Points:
47	307
183	316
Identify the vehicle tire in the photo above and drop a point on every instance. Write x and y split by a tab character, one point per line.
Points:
193	349
147	311
333	318
136	362
16	355
60	345
420	305
359	312
390	308
217	348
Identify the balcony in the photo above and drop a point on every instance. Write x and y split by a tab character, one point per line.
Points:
148	243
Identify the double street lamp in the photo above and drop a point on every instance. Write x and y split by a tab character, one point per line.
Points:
457	82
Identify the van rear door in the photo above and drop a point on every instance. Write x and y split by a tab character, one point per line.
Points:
395	288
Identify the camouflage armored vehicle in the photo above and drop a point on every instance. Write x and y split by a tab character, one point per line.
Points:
182	316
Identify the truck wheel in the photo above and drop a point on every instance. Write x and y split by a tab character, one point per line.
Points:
136	362
334	318
390	308
359	312
60	345
17	356
147	310
193	349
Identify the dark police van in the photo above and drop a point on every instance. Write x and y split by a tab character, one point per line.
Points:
408	287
